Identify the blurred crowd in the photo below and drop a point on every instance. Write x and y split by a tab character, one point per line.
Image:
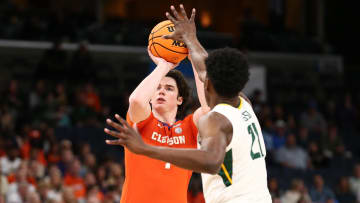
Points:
312	155
38	166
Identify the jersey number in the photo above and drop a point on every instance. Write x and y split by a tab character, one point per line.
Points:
254	134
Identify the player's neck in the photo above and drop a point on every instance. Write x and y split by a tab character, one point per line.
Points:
234	101
168	117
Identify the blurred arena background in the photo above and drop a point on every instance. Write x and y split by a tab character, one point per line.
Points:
66	65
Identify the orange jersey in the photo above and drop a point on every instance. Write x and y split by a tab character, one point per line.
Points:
150	180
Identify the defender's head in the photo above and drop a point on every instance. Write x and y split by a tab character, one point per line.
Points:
227	73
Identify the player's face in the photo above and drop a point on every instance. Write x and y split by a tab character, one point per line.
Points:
166	96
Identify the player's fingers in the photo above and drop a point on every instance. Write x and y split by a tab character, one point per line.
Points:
115	125
183	12
170	17
122	121
171	36
193	12
177	16
115	142
114	133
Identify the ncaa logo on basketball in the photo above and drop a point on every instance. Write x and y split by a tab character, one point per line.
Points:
178	130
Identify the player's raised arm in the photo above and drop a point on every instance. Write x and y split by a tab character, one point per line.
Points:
214	128
185	31
139	107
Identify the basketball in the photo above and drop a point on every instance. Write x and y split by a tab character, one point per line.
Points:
171	50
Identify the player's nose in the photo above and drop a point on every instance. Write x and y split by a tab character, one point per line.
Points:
162	91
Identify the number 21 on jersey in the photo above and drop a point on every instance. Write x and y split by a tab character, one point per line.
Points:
255	136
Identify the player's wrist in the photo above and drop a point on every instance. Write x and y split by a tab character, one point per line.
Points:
165	65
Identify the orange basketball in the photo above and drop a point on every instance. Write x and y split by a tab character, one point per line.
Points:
171	50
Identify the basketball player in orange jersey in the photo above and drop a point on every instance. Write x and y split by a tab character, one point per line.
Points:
153	108
231	154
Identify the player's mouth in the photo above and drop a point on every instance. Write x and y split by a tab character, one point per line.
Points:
160	100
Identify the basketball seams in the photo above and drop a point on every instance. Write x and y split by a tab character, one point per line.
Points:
155	37
167	48
152	44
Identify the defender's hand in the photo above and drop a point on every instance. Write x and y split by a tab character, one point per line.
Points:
184	27
126	136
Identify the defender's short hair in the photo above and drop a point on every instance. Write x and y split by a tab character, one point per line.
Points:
228	71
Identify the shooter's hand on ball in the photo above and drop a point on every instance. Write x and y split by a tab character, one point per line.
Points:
158	60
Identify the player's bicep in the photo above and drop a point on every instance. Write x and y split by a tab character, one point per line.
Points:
213	139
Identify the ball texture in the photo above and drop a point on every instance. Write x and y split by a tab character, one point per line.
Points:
171	50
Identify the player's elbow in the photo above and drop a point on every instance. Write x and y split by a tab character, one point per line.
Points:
135	101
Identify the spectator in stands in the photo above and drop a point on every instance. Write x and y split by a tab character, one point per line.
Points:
3	186
332	143
21	185
319	192
55	184
318	160
343	192
11	162
7	119
92	97
354	181
274	188
313	120
291	155
331	112
20	193
43	189
38	96
73	179
348	115
303	138
13	97
291	123
296	193
94	195
67	157
90	179
61	96
280	135
53	155
68	195
268	134
82	114
278	114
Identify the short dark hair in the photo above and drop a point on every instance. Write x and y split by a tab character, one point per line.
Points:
228	71
183	87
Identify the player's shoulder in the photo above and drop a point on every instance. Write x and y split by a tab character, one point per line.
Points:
214	119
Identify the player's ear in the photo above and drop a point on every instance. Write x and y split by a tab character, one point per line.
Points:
179	101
